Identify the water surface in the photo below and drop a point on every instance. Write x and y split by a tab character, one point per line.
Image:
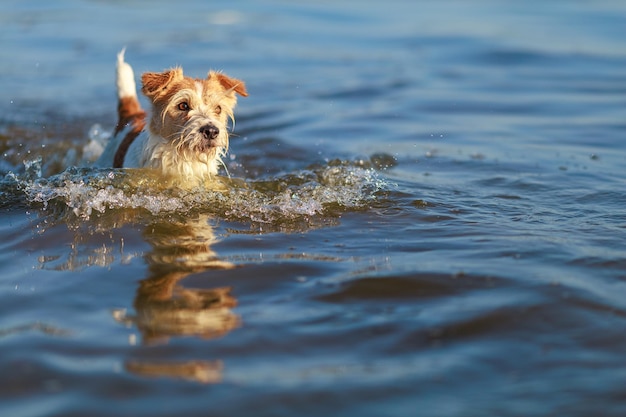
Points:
423	214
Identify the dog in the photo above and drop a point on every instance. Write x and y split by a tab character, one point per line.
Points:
186	135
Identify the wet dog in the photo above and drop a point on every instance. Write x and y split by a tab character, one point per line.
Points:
186	135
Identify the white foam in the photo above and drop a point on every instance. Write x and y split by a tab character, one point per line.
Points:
98	139
323	192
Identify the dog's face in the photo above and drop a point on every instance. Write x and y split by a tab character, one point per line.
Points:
190	116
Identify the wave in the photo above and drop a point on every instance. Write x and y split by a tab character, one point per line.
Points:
317	192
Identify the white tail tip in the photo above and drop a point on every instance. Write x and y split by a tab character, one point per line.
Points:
125	77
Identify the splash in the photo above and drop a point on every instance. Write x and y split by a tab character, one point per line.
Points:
322	191
86	191
319	192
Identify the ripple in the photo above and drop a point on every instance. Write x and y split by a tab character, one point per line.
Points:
414	286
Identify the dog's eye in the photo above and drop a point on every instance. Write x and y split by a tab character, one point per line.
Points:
184	106
218	109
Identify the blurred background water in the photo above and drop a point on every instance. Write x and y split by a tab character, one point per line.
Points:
425	213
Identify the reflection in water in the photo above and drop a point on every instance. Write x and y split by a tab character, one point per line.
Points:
164	308
200	371
106	201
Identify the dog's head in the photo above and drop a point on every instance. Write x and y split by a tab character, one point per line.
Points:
190	117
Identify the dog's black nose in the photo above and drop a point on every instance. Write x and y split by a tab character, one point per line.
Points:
209	131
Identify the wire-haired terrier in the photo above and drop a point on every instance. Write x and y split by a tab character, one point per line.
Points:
187	134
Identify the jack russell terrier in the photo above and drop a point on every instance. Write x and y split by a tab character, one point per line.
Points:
187	134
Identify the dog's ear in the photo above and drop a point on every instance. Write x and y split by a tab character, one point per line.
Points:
229	83
155	84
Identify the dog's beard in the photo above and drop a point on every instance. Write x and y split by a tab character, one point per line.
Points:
192	144
189	153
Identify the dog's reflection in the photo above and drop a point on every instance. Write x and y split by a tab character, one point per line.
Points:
208	372
164	308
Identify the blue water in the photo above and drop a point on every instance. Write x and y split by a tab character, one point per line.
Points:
425	215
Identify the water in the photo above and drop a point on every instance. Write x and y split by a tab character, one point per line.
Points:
425	213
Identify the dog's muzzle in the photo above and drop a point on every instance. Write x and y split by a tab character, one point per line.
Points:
209	132
210	136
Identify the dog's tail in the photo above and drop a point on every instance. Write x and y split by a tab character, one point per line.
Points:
125	77
129	111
